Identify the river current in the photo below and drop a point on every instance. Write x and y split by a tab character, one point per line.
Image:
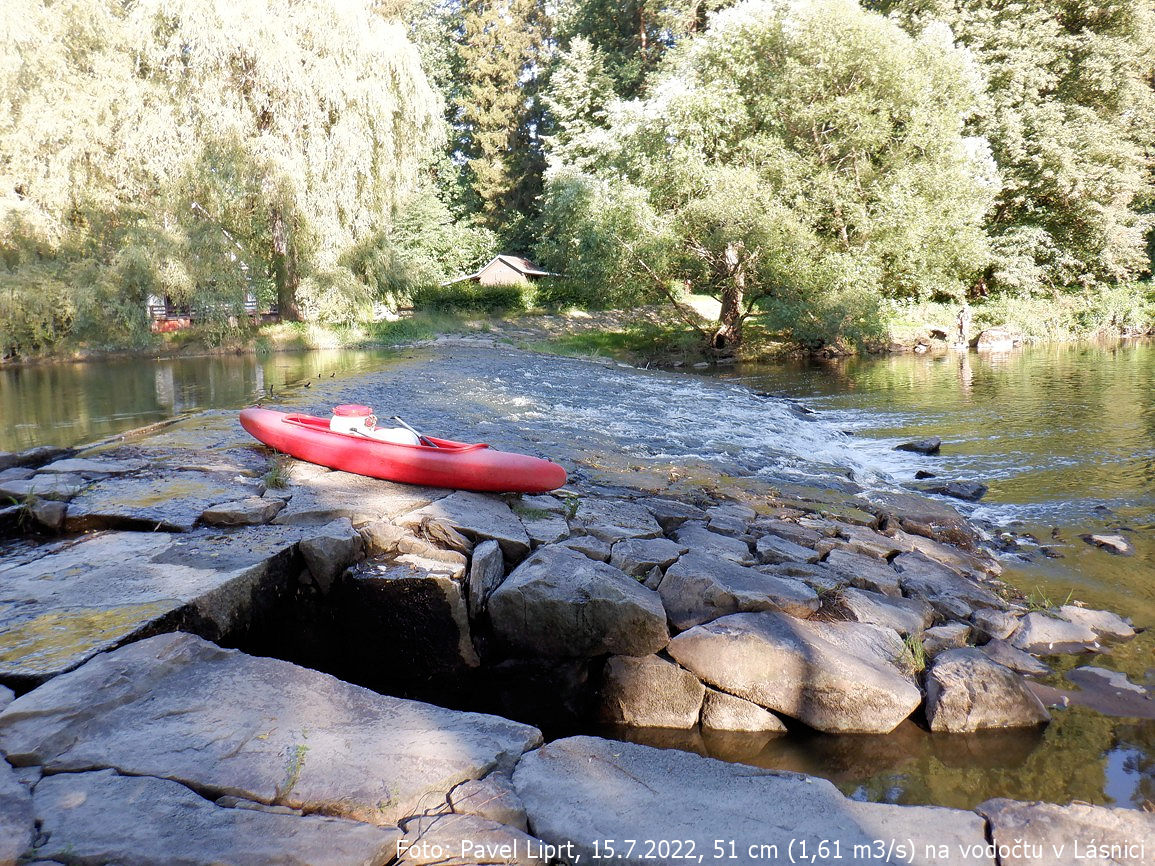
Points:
1064	436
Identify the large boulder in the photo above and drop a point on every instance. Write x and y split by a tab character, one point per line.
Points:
947	591
81	596
178	707
920	515
561	603
789	666
967	691
649	692
584	791
1033	834
1045	635
772	549
102	817
698	588
477	516
320	495
172	501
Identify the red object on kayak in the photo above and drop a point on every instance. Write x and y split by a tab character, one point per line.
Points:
460	465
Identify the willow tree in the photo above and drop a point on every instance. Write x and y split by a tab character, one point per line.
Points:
806	157
239	142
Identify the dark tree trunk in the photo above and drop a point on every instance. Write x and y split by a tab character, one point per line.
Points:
284	269
728	336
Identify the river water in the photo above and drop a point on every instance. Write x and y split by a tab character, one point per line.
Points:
1065	436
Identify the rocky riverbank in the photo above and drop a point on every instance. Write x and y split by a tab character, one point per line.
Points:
217	658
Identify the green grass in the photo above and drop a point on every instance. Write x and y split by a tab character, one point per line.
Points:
1039	601
914	654
277	478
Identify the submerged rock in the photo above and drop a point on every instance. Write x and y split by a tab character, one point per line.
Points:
178	707
673	795
930	445
967	691
649	692
1116	544
789	666
968	491
560	603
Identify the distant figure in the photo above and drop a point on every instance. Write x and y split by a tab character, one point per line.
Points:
964	324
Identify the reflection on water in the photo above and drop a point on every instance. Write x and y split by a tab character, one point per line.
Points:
77	403
1065	437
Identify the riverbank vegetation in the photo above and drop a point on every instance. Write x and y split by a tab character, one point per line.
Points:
835	174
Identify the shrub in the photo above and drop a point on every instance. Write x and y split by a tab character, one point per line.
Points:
469	297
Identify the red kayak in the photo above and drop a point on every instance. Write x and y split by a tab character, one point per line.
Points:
442	463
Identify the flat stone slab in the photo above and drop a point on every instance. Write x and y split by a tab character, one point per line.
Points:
320	495
864	572
1045	635
225	723
478	517
49	486
699	588
795	668
666	795
1102	622
172	502
611	520
1046	834
90	468
82	597
101	817
17	819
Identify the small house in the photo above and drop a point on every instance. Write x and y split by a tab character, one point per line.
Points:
504	270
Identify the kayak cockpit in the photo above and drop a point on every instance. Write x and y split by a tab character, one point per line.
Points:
321	425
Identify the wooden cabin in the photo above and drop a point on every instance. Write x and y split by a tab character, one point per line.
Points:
504	270
165	317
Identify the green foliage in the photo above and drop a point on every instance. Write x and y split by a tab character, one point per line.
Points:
471	297
1069	113
806	158
500	53
202	150
913	654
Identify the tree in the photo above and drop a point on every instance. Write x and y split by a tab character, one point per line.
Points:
577	98
1069	112
234	144
502	55
632	36
807	159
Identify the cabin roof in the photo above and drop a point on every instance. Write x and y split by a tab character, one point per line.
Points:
521	265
